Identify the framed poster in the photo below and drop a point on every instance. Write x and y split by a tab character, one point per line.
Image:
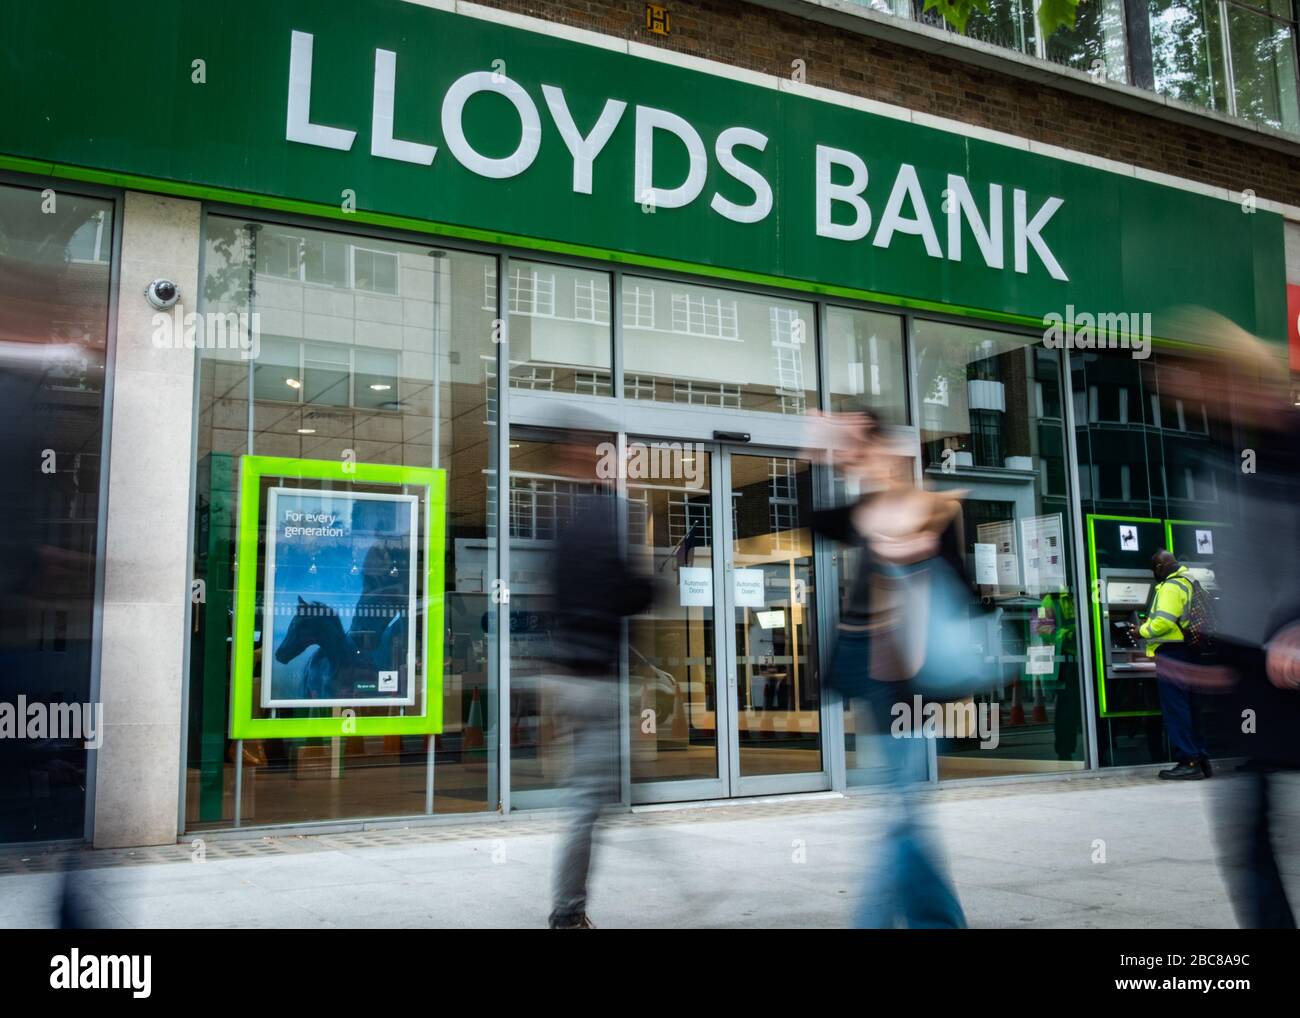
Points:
339	615
339	598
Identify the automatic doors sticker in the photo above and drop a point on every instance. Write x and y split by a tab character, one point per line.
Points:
695	585
1128	538
341	574
749	588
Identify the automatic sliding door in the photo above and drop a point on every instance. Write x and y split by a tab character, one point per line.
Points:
772	594
672	655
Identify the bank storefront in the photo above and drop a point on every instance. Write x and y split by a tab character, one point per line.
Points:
412	246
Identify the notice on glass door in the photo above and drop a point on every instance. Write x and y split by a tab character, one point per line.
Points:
695	586
986	564
749	588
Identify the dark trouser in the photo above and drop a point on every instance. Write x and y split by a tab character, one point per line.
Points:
1248	857
586	705
1178	705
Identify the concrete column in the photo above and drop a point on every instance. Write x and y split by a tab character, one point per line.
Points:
146	553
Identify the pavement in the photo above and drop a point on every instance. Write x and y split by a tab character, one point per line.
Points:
1116	851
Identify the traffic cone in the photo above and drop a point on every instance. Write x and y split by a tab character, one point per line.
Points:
1040	705
1017	708
472	738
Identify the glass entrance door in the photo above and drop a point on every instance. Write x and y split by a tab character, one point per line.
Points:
724	694
774	681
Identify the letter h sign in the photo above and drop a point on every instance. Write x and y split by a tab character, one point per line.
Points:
656	19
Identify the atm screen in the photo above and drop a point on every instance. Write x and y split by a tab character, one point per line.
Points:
1127	592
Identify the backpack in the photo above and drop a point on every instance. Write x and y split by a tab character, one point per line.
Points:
1200	621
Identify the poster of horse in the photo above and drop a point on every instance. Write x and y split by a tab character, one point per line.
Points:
340	599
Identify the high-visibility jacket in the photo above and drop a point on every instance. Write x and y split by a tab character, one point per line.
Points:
1168	613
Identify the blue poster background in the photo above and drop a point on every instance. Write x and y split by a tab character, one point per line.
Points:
338	599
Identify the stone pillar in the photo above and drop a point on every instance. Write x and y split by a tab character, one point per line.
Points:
146	544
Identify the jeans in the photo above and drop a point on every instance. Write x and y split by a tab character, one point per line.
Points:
908	884
587	706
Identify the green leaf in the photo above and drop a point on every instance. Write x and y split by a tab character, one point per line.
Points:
1054	14
955	12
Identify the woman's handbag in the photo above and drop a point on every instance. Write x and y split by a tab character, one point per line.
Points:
923	632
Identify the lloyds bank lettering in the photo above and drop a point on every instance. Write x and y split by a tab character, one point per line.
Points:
846	198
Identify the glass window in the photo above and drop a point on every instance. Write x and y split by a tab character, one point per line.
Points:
1187	59
561	339
374	271
992	427
326	375
367	376
1096	43
1264	66
545	494
867	370
1007	23
1144	455
54	301
703	346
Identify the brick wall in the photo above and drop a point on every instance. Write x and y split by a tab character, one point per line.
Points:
751	36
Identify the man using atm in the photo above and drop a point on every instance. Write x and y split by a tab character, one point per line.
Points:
1165	635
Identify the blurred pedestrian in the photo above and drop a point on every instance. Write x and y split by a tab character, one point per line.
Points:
1257	666
595	589
881	645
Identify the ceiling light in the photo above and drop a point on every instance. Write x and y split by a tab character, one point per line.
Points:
293	383
306	431
380	387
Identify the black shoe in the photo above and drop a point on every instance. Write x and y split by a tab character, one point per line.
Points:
1206	769
582	922
1184	772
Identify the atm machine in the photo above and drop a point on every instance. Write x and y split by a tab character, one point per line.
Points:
1120	550
1125	597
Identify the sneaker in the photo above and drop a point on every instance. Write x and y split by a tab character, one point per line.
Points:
1184	772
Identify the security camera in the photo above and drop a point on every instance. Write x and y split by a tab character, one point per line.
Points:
163	294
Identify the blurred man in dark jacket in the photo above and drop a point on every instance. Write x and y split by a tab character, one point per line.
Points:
1257	665
595	589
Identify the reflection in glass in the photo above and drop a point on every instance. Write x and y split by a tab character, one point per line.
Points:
54	300
992	425
867	370
1096	41
560	333
722	349
373	351
1187	59
1146	454
1264	68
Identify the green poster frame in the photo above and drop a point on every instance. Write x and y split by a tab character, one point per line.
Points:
1099	661
243	725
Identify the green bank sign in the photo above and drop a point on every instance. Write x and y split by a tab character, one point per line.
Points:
395	113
